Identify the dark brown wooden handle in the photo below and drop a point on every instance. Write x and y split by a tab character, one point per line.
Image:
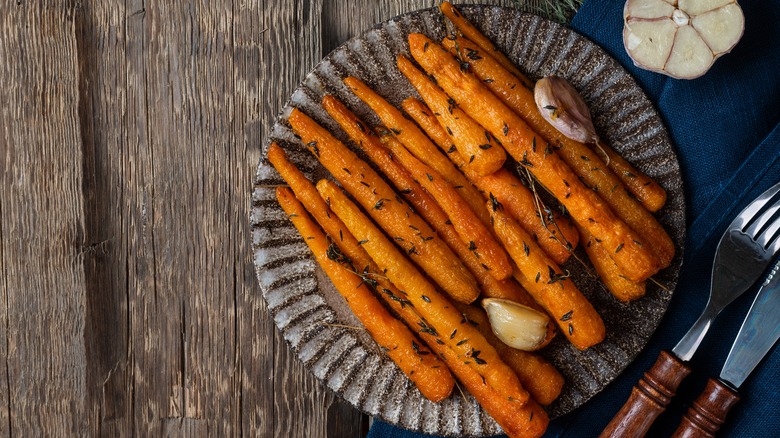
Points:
708	412
649	398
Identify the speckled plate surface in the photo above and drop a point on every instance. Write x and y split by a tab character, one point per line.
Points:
312	315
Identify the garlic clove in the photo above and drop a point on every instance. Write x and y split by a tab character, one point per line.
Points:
720	28
563	107
650	42
682	42
516	325
690	55
696	7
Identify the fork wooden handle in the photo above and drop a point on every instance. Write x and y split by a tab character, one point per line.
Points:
649	398
707	413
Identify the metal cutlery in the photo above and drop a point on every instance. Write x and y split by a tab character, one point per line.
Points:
743	254
758	334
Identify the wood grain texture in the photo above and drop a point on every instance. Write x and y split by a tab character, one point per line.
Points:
42	228
129	135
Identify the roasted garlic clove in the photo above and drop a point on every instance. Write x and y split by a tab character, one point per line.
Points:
680	39
562	106
516	325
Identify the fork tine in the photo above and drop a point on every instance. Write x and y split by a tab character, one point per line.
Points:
752	210
759	224
770	235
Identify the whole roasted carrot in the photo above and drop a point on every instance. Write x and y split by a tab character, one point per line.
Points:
409	230
469	30
416	141
428	373
469	345
622	288
473	233
424	205
555	234
586	162
538	376
551	288
627	248
476	146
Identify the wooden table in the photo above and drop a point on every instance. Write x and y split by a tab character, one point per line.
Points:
129	135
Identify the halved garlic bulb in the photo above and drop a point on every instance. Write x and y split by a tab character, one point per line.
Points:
680	38
516	325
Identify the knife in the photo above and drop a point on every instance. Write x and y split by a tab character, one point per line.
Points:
759	332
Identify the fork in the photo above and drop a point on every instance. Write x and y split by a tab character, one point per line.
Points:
745	250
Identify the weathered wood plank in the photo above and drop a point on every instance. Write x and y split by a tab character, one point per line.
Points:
41	222
101	37
158	313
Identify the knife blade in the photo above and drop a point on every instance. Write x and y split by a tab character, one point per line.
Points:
759	333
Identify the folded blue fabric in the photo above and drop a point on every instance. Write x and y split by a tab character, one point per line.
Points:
725	129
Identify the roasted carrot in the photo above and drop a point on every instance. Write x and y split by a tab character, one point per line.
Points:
428	373
645	189
472	33
440	315
424	205
554	233
538	376
416	141
622	288
635	260
525	420
477	147
409	230
547	283
473	233
586	162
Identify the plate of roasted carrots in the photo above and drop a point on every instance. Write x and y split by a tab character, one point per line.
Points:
438	251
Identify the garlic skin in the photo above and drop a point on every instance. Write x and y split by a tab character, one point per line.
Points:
561	105
681	39
516	325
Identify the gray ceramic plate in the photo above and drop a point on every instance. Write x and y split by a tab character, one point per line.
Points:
312	315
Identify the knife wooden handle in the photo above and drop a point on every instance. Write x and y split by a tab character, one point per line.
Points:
708	412
649	398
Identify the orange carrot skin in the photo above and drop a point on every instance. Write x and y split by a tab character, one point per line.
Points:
424	205
474	144
518	421
455	331
622	288
647	191
545	281
428	373
472	33
305	191
471	230
556	239
410	232
585	161
585	206
538	376
417	142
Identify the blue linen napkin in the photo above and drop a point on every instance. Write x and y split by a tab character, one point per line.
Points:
725	129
